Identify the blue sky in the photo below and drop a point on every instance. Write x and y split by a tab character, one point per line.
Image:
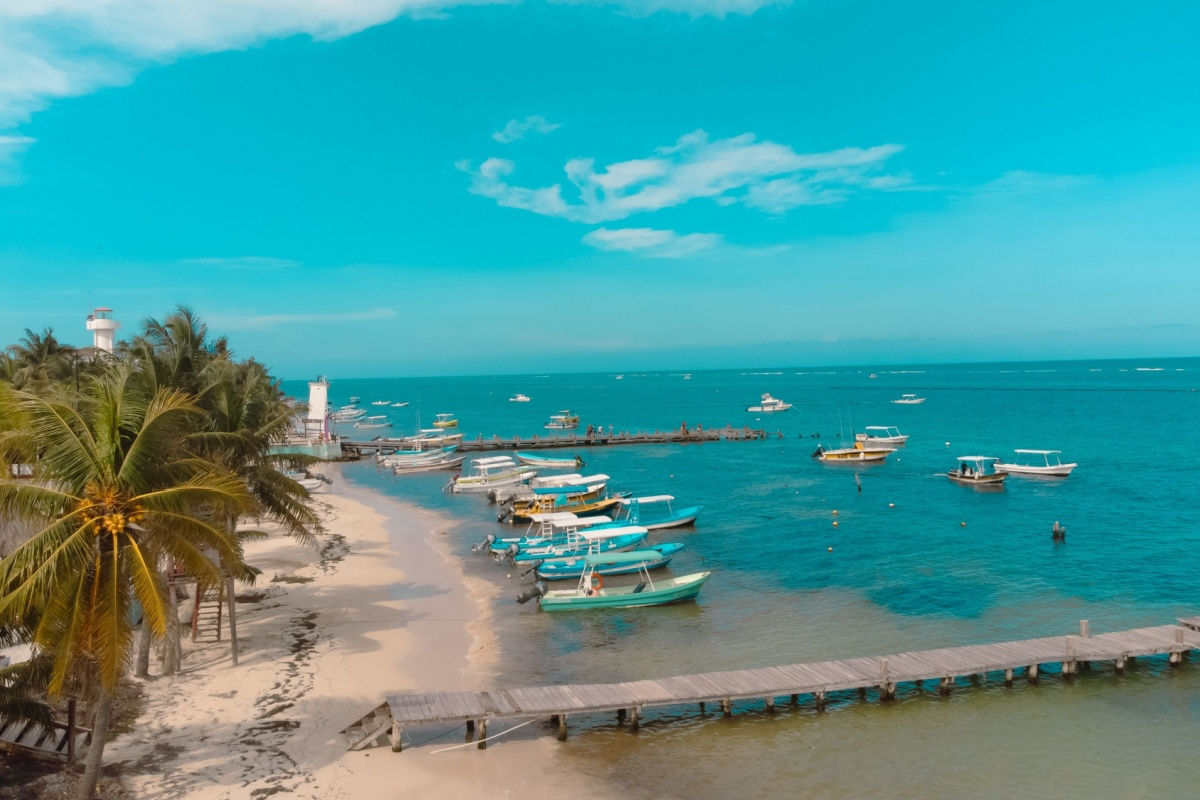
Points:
389	187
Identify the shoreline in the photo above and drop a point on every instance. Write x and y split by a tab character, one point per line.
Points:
324	635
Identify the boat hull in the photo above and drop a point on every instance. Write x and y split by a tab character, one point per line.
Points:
671	590
1057	471
852	455
562	569
993	480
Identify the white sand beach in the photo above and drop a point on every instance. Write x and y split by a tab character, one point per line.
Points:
323	637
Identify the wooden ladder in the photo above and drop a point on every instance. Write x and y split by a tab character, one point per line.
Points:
207	611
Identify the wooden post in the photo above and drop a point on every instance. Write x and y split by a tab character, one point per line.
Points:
470	729
770	705
945	685
702	707
1008	677
71	724
794	699
1084	629
397	732
1120	664
621	714
1068	666
727	707
635	719
1031	673
562	727
220	606
482	734
233	643
819	699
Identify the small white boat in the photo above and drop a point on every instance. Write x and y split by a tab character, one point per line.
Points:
349	414
908	400
488	473
769	405
399	405
1037	462
519	398
446	462
376	421
973	471
881	436
380	402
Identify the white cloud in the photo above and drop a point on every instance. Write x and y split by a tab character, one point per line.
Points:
53	49
516	129
762	174
11	147
1025	182
240	321
693	8
651	243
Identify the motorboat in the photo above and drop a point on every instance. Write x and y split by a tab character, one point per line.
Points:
857	454
888	436
400	405
633	512
375	421
769	405
444	421
442	461
973	471
349	414
581	499
519	398
563	420
591	593
549	462
908	400
488	473
557	569
381	402
1037	462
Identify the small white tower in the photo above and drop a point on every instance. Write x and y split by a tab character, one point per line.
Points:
318	409
103	327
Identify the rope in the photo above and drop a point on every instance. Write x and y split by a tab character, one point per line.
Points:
488	739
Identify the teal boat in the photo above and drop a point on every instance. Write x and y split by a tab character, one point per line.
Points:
557	569
592	593
548	462
673	518
601	539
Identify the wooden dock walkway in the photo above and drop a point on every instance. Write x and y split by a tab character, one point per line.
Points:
598	439
882	673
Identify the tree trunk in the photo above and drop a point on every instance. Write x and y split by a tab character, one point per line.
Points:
95	754
171	645
141	667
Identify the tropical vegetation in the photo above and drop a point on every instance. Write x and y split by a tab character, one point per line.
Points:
121	470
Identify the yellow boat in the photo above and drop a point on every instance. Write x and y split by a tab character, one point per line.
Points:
857	454
445	421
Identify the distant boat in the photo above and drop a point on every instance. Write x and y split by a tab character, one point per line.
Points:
445	421
908	400
349	414
888	436
380	402
519	398
769	405
973	471
563	420
847	455
354	400
489	473
1037	462
399	405
377	421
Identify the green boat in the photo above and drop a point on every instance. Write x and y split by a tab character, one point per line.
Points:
592	593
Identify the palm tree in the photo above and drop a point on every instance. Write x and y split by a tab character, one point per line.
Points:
39	360
113	493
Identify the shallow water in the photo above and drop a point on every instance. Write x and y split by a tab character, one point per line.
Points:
916	562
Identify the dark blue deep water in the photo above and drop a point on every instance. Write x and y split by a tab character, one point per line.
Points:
916	562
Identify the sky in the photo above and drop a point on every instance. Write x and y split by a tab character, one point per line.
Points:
369	188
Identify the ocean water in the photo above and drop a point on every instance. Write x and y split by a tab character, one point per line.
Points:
914	562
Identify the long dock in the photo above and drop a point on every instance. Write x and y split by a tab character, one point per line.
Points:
629	699
597	439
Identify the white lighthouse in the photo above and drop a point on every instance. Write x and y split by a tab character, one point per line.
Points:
104	328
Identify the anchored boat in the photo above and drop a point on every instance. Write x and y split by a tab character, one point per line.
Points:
591	591
886	436
973	471
1037	462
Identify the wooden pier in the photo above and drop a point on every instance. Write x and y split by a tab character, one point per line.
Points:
597	439
882	674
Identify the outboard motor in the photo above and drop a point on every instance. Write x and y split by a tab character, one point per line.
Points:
537	590
479	547
817	453
533	568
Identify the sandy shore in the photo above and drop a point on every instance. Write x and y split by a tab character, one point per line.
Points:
323	637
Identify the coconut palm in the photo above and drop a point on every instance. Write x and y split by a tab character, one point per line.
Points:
113	492
39	360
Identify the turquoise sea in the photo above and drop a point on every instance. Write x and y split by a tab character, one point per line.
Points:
916	562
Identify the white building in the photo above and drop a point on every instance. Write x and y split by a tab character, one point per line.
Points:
104	329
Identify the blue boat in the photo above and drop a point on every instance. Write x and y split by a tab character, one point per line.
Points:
674	518
591	593
561	568
601	539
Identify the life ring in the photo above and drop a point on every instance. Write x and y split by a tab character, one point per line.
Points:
597	582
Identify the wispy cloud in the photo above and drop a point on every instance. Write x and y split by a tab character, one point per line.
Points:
240	321
516	129
11	147
1025	182
66	48
651	243
241	263
761	174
